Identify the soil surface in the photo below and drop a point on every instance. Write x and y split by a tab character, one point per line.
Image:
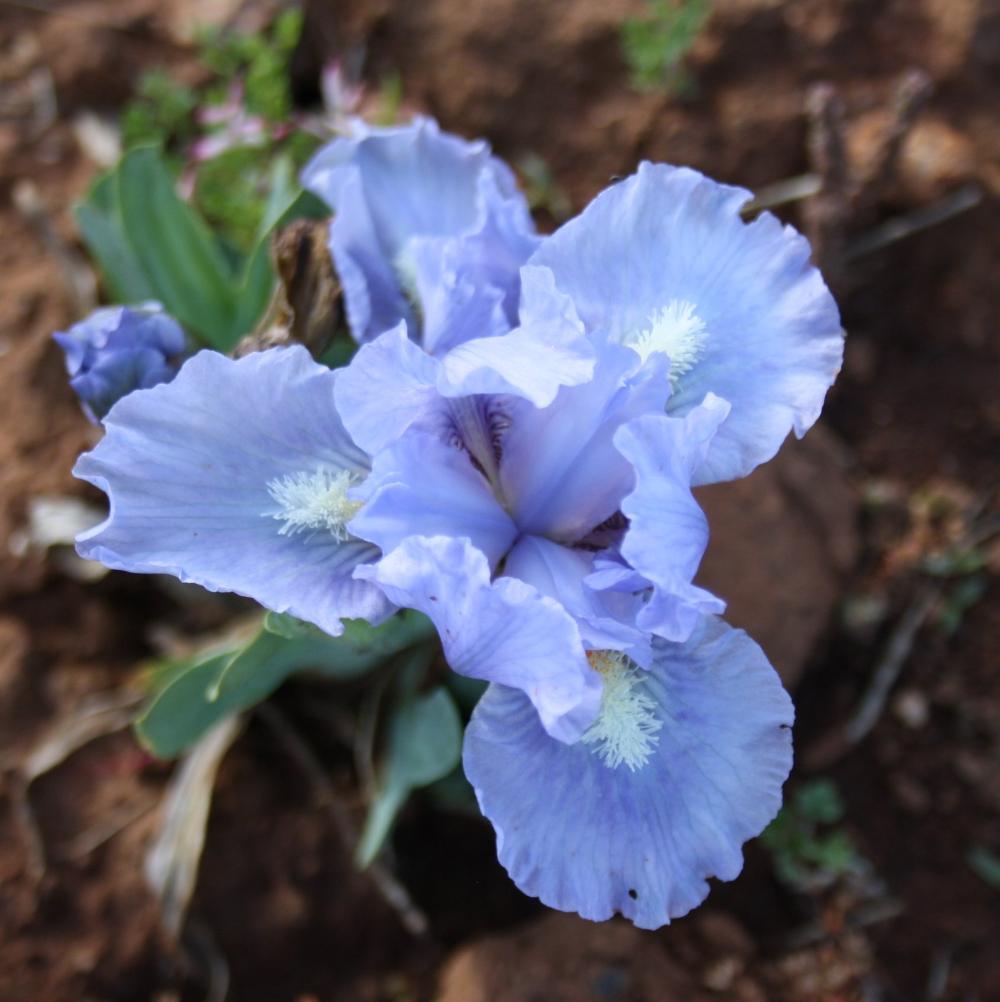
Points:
822	554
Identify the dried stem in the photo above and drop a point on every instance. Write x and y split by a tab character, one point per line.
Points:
890	665
394	893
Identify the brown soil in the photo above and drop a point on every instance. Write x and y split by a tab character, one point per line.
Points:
915	406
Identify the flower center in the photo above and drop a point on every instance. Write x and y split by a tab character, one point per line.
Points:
626	729
316	500
677	331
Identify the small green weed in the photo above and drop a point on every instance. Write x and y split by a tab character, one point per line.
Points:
656	43
226	136
808	852
162	112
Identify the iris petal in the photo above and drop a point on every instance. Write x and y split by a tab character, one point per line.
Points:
192	469
594	839
504	631
749	318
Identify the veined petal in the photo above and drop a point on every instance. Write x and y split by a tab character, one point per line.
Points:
482	263
234	477
422	486
596	838
663	261
560	471
503	631
388	385
668	531
392	186
455	307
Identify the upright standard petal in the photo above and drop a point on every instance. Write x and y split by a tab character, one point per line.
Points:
504	631
534	360
559	469
235	476
682	766
663	262
486	260
422	486
391	188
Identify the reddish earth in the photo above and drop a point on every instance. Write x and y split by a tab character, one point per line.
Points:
840	522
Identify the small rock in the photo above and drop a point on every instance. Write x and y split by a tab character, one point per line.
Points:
562	958
912	708
783	540
935	159
722	974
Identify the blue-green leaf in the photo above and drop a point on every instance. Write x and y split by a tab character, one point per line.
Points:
185	266
196	695
99	222
423	744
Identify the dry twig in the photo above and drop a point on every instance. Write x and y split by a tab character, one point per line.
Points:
394	893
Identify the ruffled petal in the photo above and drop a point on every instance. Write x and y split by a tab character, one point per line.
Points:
501	632
560	471
534	360
422	486
664	260
392	383
588	837
391	186
605	619
668	531
207	475
388	385
482	264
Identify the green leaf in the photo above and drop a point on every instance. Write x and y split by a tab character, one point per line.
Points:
176	250
99	222
454	793
361	646
423	745
203	691
467	691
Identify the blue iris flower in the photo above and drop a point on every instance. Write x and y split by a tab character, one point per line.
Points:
663	263
512	452
236	476
116	350
585	503
428	237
